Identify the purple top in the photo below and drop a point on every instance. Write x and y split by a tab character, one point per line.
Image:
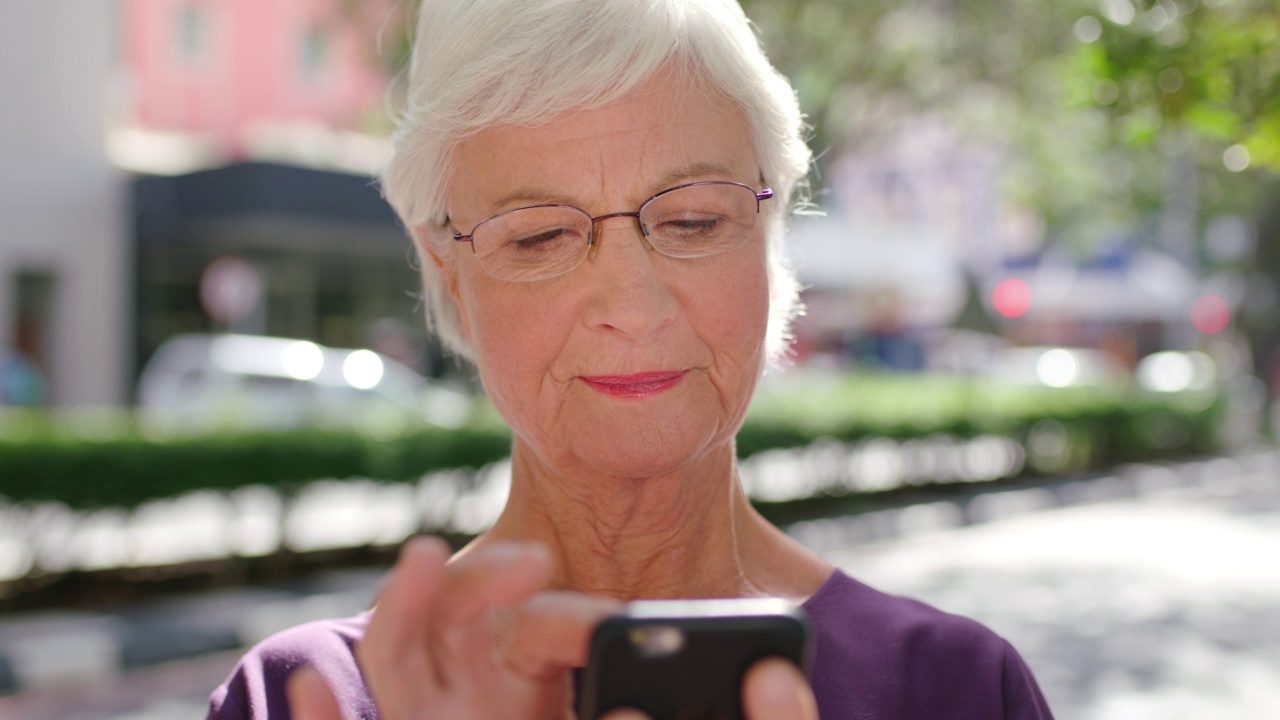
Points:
877	657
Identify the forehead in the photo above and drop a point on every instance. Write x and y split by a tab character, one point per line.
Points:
667	131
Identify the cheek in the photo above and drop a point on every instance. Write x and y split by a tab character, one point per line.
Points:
515	337
734	309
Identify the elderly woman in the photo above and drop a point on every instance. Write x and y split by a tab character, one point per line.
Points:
597	189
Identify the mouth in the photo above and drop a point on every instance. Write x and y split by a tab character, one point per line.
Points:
638	385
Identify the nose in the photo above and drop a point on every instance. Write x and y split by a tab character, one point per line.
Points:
595	233
629	290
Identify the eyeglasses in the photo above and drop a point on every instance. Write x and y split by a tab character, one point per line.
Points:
539	242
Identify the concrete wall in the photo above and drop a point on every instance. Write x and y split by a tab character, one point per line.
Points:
62	205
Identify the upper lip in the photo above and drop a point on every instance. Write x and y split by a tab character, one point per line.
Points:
633	378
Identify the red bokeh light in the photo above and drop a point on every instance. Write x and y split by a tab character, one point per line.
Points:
1210	314
1011	297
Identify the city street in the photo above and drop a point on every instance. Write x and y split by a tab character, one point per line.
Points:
1150	593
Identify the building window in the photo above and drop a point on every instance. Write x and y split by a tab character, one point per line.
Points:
315	53
191	32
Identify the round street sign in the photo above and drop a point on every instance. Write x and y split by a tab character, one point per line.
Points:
230	289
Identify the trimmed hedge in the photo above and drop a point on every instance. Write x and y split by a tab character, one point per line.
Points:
128	469
131	470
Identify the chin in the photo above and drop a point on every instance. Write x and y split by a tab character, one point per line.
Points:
647	452
639	466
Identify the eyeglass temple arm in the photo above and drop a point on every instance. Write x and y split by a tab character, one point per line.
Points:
764	194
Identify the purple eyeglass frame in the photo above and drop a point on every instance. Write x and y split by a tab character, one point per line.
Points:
761	194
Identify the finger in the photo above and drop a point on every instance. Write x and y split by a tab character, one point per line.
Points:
394	654
401	616
413	583
775	689
552	632
310	697
504	573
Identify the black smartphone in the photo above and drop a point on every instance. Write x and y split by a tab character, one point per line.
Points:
685	659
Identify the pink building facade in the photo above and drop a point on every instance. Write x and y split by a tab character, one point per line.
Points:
225	70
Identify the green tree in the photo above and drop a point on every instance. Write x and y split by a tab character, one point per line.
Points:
1089	97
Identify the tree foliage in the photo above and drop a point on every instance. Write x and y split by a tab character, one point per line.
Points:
1213	68
1089	98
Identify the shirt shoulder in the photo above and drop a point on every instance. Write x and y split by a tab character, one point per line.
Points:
885	656
255	689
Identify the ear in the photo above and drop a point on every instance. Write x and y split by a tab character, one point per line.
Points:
422	240
428	251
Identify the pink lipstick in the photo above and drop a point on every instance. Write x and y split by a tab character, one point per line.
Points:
634	386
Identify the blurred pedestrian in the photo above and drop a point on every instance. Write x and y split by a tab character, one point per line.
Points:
21	382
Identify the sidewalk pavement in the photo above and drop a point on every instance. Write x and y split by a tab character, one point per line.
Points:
1165	606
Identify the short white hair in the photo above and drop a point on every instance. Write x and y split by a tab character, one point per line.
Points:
483	63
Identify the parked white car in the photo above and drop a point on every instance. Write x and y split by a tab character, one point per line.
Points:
200	383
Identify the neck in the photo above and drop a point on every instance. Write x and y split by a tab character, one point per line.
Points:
676	535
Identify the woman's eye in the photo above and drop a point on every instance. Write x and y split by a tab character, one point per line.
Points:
539	241
690	226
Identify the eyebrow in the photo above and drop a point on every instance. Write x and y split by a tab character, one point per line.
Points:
687	173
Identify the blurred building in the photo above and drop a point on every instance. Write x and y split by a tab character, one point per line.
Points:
1129	299
190	165
923	177
908	219
277	227
65	268
208	82
918	239
271	249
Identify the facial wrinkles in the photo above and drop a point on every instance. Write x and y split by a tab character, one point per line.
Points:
742	364
605	170
674	161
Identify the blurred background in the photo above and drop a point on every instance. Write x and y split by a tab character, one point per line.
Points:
1037	381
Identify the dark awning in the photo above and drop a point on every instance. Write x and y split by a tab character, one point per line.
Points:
266	205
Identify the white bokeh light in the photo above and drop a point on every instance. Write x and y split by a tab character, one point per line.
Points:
1236	158
303	360
1087	29
1166	372
1057	368
1172	371
362	369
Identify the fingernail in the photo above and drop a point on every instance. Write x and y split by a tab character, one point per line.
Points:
778	687
781	689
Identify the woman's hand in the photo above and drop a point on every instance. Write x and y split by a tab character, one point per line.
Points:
774	689
468	639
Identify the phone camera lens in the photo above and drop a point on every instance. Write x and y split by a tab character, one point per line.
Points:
653	641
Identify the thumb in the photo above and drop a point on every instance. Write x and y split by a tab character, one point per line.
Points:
775	689
310	697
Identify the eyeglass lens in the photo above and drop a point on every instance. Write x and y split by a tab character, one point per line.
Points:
541	242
